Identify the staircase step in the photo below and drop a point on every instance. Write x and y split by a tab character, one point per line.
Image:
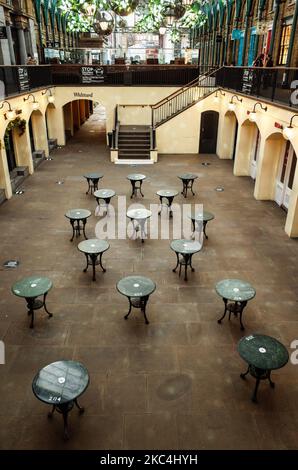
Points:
135	156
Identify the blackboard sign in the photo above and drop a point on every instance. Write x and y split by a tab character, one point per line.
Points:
23	79
92	75
248	81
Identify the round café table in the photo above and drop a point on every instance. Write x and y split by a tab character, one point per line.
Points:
93	249
60	384
185	249
104	195
263	354
137	289
76	216
238	292
139	218
200	217
187	181
135	178
30	288
169	195
92	180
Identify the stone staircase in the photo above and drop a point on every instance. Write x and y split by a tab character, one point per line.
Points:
134	143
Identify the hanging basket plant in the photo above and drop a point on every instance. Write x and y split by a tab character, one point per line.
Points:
17	123
124	7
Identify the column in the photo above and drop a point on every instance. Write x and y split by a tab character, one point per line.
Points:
22	44
10	45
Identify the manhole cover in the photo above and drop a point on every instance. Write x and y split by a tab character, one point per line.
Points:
12	263
20	191
49	158
206	163
219	189
60	182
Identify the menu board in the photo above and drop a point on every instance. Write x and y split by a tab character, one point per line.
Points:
23	79
92	75
247	81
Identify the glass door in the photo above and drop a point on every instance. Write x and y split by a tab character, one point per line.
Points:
255	154
286	174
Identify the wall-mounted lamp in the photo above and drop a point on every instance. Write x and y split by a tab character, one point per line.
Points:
162	30
253	115
35	104
10	114
232	105
51	97
288	132
216	97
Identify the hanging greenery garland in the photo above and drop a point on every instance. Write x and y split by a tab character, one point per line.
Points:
150	14
17	123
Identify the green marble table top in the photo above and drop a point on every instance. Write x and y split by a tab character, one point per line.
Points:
199	216
78	214
167	192
32	286
235	290
60	382
93	246
104	193
263	352
186	247
93	176
188	176
139	213
136	286
136	177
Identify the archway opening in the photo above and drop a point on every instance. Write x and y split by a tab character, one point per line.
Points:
85	116
226	146
278	170
247	150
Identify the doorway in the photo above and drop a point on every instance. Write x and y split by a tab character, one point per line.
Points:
208	132
285	178
255	154
10	153
235	139
31	135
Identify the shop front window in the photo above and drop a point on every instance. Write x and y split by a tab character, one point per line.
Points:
284	44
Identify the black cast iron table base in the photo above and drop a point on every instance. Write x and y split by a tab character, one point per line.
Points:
235	308
92	185
77	228
106	200
64	409
187	184
258	374
169	205
138	302
135	188
183	260
205	222
92	260
35	304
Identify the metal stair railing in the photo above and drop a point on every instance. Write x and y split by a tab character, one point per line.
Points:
183	98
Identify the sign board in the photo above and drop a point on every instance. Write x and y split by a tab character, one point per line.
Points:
23	79
248	81
236	34
92	75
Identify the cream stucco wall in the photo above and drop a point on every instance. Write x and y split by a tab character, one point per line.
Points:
178	135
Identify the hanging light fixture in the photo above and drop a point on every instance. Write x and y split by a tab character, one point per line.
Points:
187	3
103	23
35	104
10	114
170	15
221	93
162	29
50	97
289	131
232	105
90	9
253	115
124	7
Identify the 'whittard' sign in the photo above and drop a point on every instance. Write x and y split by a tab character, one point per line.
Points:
78	94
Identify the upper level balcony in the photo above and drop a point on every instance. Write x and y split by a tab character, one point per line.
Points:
278	85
